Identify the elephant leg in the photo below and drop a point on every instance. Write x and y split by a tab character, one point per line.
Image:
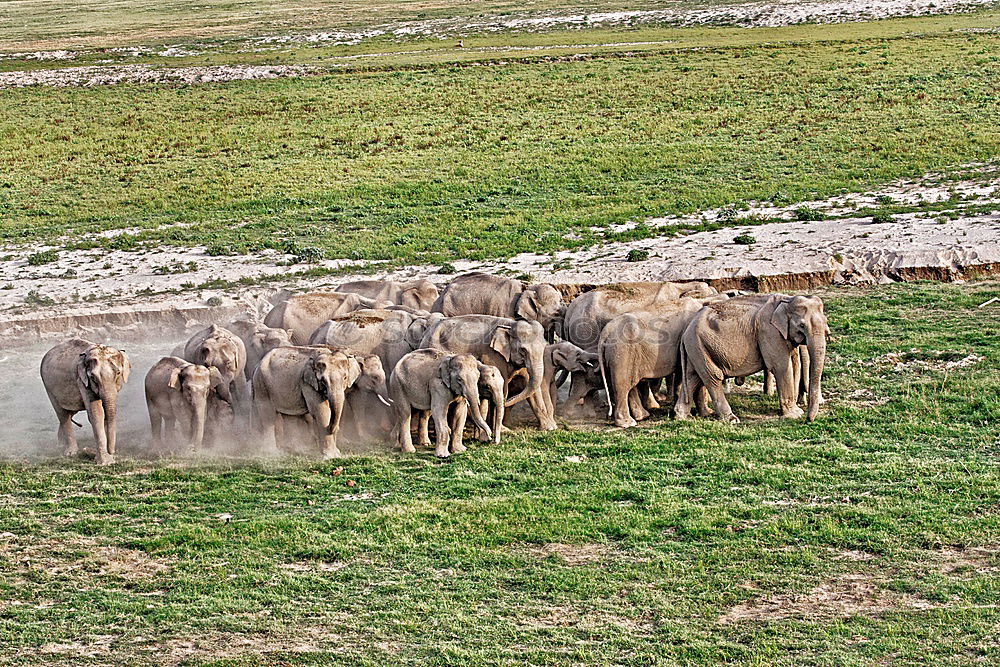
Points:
578	390
638	410
701	401
784	377
404	418
690	385
717	390
95	412
621	389
768	383
537	402
646	391
458	417
326	433
442	432
155	426
423	428
65	433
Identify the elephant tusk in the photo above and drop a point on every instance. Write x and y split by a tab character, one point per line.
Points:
383	400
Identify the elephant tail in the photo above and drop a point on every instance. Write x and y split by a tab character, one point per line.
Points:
685	397
604	377
78	424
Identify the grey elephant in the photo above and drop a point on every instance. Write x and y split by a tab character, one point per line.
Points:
311	381
388	334
178	393
258	339
502	342
486	294
566	360
641	346
587	315
81	375
415	295
745	335
303	313
434	381
220	348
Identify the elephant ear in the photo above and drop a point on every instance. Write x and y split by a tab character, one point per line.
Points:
214	377
415	332
527	305
309	375
780	320
82	372
174	381
126	366
565	359
448	371
500	342
353	371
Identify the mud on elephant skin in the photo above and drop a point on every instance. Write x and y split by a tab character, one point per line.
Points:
302	314
220	348
81	375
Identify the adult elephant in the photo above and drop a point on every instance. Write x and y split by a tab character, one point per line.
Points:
486	294
416	295
432	380
641	346
303	313
502	342
220	348
297	381
81	375
178	393
258	339
588	314
388	334
745	335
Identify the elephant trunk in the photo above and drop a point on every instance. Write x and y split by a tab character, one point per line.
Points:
198	425
336	402
496	396
475	408
816	344
536	373
109	401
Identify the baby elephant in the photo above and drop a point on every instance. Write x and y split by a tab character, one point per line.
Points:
434	380
179	393
80	375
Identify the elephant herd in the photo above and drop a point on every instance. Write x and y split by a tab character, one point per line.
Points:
477	347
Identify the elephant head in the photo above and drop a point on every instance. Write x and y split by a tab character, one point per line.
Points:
371	377
329	373
219	350
460	373
491	382
263	341
195	384
418	326
542	303
569	358
522	344
418	295
102	371
801	321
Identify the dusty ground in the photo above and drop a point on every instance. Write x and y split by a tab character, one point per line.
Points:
844	248
100	75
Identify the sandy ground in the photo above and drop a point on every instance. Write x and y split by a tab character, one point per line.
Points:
850	248
743	14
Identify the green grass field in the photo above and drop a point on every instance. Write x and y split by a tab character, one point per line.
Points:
866	537
425	158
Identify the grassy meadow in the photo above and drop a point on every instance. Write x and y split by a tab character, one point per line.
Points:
425	156
866	537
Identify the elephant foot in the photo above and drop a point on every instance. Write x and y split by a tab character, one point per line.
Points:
793	412
331	454
682	414
105	460
408	449
71	451
625	423
549	426
458	448
442	453
483	436
730	418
